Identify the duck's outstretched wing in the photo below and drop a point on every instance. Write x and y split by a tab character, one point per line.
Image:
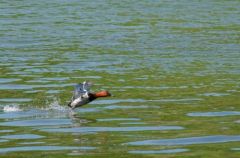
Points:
81	89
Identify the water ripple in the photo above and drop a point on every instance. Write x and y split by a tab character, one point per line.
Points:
43	148
6	131
15	100
7	80
118	119
32	143
112	107
38	122
112	129
168	151
22	136
189	140
114	101
3	140
215	94
25	87
213	114
21	114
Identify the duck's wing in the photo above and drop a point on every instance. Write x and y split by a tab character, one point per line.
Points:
81	89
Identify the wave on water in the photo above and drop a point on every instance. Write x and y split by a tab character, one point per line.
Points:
55	105
52	109
11	108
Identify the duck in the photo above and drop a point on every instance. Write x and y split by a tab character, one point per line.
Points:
82	95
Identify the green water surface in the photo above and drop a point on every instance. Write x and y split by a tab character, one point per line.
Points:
172	66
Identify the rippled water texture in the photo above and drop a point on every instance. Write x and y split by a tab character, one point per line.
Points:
172	67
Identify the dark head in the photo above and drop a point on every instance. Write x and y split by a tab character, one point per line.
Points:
69	104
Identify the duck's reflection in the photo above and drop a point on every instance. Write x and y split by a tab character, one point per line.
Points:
78	120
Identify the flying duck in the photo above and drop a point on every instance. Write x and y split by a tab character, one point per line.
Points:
82	95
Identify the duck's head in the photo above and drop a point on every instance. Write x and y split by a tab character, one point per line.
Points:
102	94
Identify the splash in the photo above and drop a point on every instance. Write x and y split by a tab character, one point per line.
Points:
11	108
55	105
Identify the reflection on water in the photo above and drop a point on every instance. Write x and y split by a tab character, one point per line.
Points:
112	107
118	119
213	114
15	100
114	101
37	122
168	151
22	136
189	141
6	131
112	129
17	114
43	148
132	123
2	140
25	87
215	94
7	80
31	143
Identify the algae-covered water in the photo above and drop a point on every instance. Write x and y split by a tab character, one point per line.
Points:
172	66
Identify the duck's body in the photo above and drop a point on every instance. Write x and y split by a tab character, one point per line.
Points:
82	95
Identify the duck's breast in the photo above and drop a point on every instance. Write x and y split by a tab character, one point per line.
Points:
79	102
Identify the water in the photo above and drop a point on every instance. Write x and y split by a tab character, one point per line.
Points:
172	66
189	140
